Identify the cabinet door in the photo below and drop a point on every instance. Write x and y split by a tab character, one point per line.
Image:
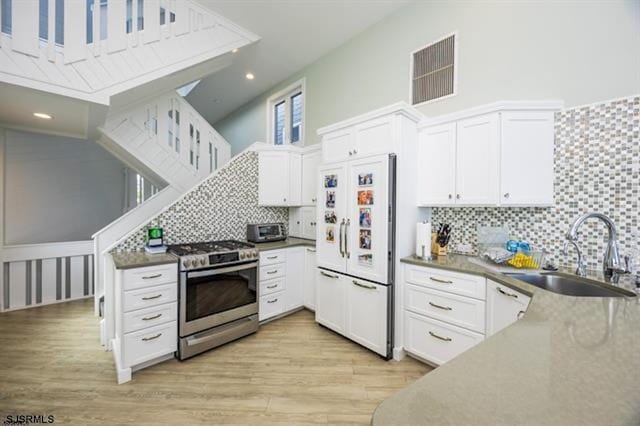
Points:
368	219
310	163
526	159
310	270
295	222
309	219
367	314
330	300
332	216
437	165
337	145
504	306
477	161
293	290
295	180
374	137
273	178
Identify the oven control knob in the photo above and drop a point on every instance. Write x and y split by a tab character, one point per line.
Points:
255	253
242	255
203	261
186	263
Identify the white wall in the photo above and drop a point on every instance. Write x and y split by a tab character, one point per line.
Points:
581	52
57	188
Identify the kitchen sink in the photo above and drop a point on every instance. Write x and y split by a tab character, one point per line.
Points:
571	285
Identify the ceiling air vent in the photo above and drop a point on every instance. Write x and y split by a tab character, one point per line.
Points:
433	71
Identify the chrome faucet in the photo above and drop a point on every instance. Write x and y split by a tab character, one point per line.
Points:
581	268
612	264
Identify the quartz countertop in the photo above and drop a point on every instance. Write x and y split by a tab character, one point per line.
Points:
140	259
568	361
289	242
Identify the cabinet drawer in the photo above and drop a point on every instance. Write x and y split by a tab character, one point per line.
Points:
150	343
271	305
449	281
143	318
272	257
457	310
147	297
152	275
435	340
271	272
271	286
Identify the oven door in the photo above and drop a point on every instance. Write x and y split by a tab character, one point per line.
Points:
216	296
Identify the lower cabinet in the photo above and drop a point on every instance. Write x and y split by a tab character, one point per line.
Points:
302	222
504	306
293	294
309	279
355	308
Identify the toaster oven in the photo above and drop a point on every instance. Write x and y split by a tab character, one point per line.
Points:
264	232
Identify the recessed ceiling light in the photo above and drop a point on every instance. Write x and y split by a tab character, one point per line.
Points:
42	115
234	50
250	76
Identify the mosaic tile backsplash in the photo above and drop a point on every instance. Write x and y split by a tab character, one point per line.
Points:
219	208
597	168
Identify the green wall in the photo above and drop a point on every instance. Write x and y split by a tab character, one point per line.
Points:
580	52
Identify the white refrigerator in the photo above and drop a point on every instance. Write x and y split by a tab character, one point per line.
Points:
355	250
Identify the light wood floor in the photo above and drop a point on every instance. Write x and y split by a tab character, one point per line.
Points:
292	372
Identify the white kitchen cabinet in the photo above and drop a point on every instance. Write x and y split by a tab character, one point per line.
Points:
279	176
436	168
295	222
477	170
367	313
310	162
294	287
295	180
504	306
337	145
526	158
309	278
373	137
303	222
330	300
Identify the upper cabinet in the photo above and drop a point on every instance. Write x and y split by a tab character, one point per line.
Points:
274	172
500	158
310	163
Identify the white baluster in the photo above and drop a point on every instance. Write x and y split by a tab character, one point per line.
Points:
75	30
24	27
151	20
96	17
181	26
117	29
51	31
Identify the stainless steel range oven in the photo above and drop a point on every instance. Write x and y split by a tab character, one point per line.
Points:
218	294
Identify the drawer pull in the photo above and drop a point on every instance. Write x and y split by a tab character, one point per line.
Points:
520	314
152	297
272	286
146	339
446	339
150	277
501	291
446	308
369	287
440	281
151	318
329	275
311	250
272	272
272	301
272	257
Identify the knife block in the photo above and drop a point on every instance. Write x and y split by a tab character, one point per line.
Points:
436	250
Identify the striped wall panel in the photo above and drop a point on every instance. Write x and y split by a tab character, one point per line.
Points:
45	281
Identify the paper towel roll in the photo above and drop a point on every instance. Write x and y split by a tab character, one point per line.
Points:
423	239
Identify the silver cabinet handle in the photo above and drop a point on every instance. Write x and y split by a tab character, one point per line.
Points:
506	195
446	308
520	314
313	200
450	196
272	286
151	318
329	275
458	196
440	281
272	257
350	153
341	237
311	250
146	339
272	272
446	339
272	301
355	152
368	287
150	277
346	238
152	297
501	291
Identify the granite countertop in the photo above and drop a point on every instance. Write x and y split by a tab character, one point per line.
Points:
140	259
568	361
289	242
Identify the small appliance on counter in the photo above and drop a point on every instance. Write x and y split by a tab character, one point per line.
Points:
265	232
155	241
440	240
423	240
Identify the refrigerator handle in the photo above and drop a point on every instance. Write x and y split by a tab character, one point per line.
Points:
346	238
341	233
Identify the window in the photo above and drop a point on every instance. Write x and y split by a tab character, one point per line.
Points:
433	71
286	115
5	12
43	20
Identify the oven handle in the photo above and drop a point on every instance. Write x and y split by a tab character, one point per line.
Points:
218	271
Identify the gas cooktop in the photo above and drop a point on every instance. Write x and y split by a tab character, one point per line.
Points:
213	253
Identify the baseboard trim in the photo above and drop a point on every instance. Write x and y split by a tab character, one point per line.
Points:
399	354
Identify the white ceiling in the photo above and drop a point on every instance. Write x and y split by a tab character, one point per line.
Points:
294	34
